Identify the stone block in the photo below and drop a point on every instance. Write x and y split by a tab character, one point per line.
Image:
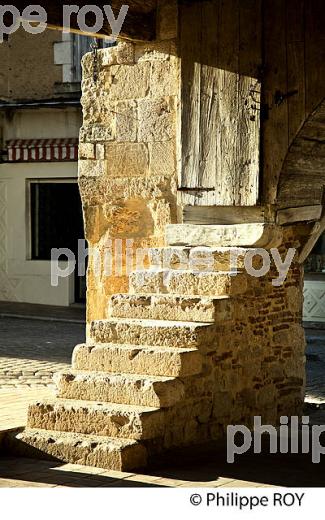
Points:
178	308
89	450
87	64
95	168
294	298
163	159
127	160
128	81
100	151
157	392
202	258
164	80
129	220
87	151
151	332
126	121
97	133
157	120
121	54
90	418
259	235
187	282
95	224
152	51
171	362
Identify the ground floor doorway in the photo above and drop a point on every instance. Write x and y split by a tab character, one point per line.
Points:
57	222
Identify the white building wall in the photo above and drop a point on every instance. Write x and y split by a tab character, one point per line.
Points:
23	279
41	123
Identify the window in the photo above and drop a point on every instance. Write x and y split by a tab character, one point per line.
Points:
80	46
69	53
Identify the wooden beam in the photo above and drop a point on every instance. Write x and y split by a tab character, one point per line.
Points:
275	77
299	214
222	215
139	24
318	229
190	21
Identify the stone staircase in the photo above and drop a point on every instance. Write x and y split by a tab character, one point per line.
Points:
142	383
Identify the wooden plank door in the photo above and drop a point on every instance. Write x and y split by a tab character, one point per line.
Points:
220	46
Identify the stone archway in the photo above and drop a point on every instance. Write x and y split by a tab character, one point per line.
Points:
302	180
301	195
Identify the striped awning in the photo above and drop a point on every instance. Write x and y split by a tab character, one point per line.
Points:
41	150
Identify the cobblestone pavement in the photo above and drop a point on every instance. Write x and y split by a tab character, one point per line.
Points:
14	405
31	351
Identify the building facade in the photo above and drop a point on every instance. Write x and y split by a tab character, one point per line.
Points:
40	118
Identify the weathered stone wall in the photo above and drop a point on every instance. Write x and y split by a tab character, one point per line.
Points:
253	357
258	362
128	151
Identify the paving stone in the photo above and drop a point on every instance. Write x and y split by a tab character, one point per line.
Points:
32	351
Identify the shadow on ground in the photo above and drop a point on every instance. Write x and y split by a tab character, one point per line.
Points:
263	469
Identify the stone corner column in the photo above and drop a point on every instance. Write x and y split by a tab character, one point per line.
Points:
128	153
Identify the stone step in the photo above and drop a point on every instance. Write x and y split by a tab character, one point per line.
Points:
171	307
226	235
181	334
153	361
88	450
103	419
201	258
187	283
133	389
